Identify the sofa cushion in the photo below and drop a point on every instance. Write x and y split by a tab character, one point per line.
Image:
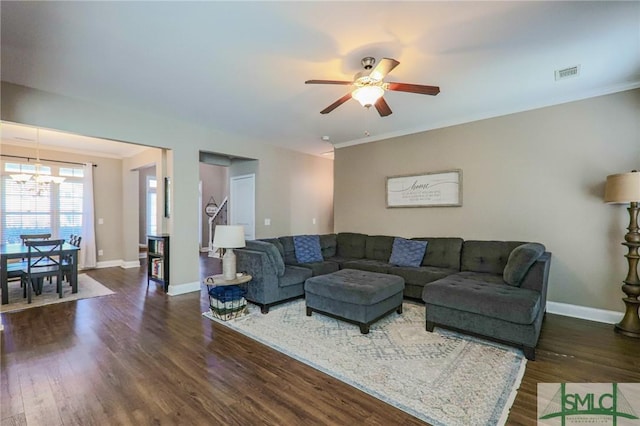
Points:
407	252
294	275
378	247
442	252
276	242
351	245
340	260
328	245
289	250
482	277
421	275
272	253
520	261
486	256
321	268
501	301
307	248
367	265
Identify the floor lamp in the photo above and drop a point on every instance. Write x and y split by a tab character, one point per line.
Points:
624	188
229	237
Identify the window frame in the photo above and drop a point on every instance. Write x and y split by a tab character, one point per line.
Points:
55	210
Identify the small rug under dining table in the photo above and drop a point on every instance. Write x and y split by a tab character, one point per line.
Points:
443	378
87	288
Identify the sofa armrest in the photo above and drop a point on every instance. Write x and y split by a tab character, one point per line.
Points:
537	277
263	287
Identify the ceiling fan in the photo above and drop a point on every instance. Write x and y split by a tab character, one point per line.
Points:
370	87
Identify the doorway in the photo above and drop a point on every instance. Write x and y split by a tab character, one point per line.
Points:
214	184
243	205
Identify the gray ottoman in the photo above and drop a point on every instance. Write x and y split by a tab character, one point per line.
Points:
360	297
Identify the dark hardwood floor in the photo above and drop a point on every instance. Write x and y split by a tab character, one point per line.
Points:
140	357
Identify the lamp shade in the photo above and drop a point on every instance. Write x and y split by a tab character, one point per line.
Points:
229	236
623	188
367	95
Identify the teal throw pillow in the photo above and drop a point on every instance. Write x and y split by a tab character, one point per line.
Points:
407	252
308	248
520	260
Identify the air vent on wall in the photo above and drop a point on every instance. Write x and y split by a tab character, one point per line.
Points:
567	72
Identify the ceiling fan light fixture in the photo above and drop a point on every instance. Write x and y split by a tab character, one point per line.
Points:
367	95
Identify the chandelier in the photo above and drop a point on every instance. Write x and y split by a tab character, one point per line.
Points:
42	181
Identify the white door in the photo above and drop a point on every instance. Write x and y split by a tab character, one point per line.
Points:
242	204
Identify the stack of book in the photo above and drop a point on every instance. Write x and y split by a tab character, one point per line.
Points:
158	247
157	271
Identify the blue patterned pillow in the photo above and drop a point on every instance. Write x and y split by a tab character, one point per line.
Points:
307	248
407	252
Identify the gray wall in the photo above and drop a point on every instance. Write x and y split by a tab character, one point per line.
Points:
533	176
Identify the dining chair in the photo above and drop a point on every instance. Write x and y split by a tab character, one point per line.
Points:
32	237
14	270
43	260
67	260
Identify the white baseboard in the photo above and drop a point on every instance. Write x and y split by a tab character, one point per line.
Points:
176	289
118	263
109	263
584	312
204	249
130	264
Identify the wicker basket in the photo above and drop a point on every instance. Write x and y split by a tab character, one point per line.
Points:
227	302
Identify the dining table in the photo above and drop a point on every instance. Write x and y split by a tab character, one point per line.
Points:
21	251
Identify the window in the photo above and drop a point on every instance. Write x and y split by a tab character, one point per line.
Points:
29	208
152	208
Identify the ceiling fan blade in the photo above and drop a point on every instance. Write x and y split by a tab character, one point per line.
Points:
413	88
383	68
383	107
336	104
327	82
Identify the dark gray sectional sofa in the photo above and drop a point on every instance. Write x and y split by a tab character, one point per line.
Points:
481	287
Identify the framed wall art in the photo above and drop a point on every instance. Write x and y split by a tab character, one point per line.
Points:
431	189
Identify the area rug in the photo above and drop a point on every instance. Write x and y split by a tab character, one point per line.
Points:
87	288
443	378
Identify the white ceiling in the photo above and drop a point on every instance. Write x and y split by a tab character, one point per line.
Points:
31	137
240	66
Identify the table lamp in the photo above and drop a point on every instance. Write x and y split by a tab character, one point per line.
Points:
229	237
624	188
